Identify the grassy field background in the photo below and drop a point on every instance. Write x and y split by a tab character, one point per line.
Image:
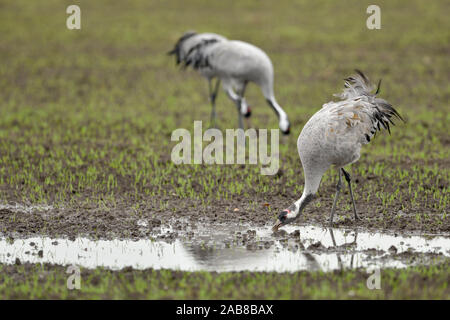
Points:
49	282
87	115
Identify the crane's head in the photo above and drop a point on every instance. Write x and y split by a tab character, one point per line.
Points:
293	212
245	108
285	126
285	217
248	113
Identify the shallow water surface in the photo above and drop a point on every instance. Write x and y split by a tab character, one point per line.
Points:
234	248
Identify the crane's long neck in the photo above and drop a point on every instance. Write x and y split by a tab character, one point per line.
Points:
267	90
283	121
301	203
282	116
312	182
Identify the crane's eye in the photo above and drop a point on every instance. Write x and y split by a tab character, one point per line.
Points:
283	216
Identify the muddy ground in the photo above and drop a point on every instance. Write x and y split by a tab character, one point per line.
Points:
122	221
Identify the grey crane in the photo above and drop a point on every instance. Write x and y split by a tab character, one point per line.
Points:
235	64
334	136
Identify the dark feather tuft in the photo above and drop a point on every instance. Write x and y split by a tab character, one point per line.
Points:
362	76
176	49
378	87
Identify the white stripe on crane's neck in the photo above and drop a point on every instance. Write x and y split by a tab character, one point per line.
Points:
312	182
301	203
283	121
280	112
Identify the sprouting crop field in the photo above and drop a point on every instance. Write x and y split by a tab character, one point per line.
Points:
85	140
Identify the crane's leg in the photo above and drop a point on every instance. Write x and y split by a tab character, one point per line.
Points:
332	237
241	123
243	104
337	254
347	177
338	191
355	243
212	96
237	100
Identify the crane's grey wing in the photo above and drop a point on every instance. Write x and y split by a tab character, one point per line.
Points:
241	60
349	121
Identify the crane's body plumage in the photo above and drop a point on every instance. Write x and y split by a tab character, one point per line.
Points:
234	63
240	62
335	134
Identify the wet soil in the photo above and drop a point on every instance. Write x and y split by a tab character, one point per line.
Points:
121	220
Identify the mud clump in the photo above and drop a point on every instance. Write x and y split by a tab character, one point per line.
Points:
316	246
373	252
280	233
251	233
346	245
154	223
295	234
392	249
268	244
249	236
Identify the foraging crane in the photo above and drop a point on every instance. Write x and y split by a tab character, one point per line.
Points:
235	64
335	135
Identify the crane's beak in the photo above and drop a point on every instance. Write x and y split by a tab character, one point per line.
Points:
277	226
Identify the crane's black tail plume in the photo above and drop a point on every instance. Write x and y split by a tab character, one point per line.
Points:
382	113
177	49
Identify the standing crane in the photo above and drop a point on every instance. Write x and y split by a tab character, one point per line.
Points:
334	136
235	64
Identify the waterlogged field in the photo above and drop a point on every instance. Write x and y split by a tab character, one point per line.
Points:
85	141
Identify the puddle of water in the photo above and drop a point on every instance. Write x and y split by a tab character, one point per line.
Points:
219	248
371	240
